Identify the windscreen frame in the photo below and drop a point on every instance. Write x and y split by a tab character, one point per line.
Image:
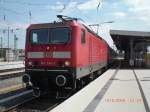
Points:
49	36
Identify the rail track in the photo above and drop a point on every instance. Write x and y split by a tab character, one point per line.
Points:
11	80
11	73
41	104
11	69
26	102
8	103
22	100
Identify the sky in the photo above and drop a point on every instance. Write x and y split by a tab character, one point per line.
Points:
131	15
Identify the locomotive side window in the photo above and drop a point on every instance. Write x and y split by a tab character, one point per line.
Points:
39	36
83	37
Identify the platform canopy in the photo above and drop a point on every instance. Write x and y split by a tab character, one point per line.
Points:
122	38
135	45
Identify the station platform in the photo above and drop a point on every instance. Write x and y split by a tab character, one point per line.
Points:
116	90
11	65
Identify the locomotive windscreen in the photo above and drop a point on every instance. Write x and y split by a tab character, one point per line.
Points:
50	36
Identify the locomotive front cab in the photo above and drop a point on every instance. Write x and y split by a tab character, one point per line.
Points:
49	55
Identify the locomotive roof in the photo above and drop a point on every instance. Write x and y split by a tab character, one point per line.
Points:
64	24
45	25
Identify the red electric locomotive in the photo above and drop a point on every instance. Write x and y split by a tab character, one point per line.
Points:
62	55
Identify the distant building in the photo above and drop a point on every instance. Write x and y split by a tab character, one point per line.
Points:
20	54
11	55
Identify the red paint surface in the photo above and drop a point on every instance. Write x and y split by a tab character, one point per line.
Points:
92	52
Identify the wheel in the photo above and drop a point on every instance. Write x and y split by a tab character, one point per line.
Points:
80	84
92	76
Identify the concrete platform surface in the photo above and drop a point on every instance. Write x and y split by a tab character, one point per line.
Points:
115	91
11	65
12	72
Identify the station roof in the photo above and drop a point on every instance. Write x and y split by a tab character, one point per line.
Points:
121	38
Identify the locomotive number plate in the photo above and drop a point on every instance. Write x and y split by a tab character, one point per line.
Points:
48	54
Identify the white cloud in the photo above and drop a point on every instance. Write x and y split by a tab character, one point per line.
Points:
57	7
21	26
70	7
91	4
144	18
137	3
140	8
60	7
74	5
115	5
120	14
137	9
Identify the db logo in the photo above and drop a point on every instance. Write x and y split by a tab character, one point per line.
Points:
48	54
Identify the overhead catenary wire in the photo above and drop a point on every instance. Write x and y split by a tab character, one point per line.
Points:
29	13
19	3
4	16
98	5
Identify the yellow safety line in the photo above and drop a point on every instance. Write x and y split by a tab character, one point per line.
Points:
11	88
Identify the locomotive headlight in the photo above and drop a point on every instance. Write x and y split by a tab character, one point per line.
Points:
30	63
67	63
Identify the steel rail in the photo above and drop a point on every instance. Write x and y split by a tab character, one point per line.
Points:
18	104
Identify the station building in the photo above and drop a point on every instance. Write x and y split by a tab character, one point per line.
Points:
135	45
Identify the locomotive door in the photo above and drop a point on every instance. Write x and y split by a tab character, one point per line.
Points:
90	54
